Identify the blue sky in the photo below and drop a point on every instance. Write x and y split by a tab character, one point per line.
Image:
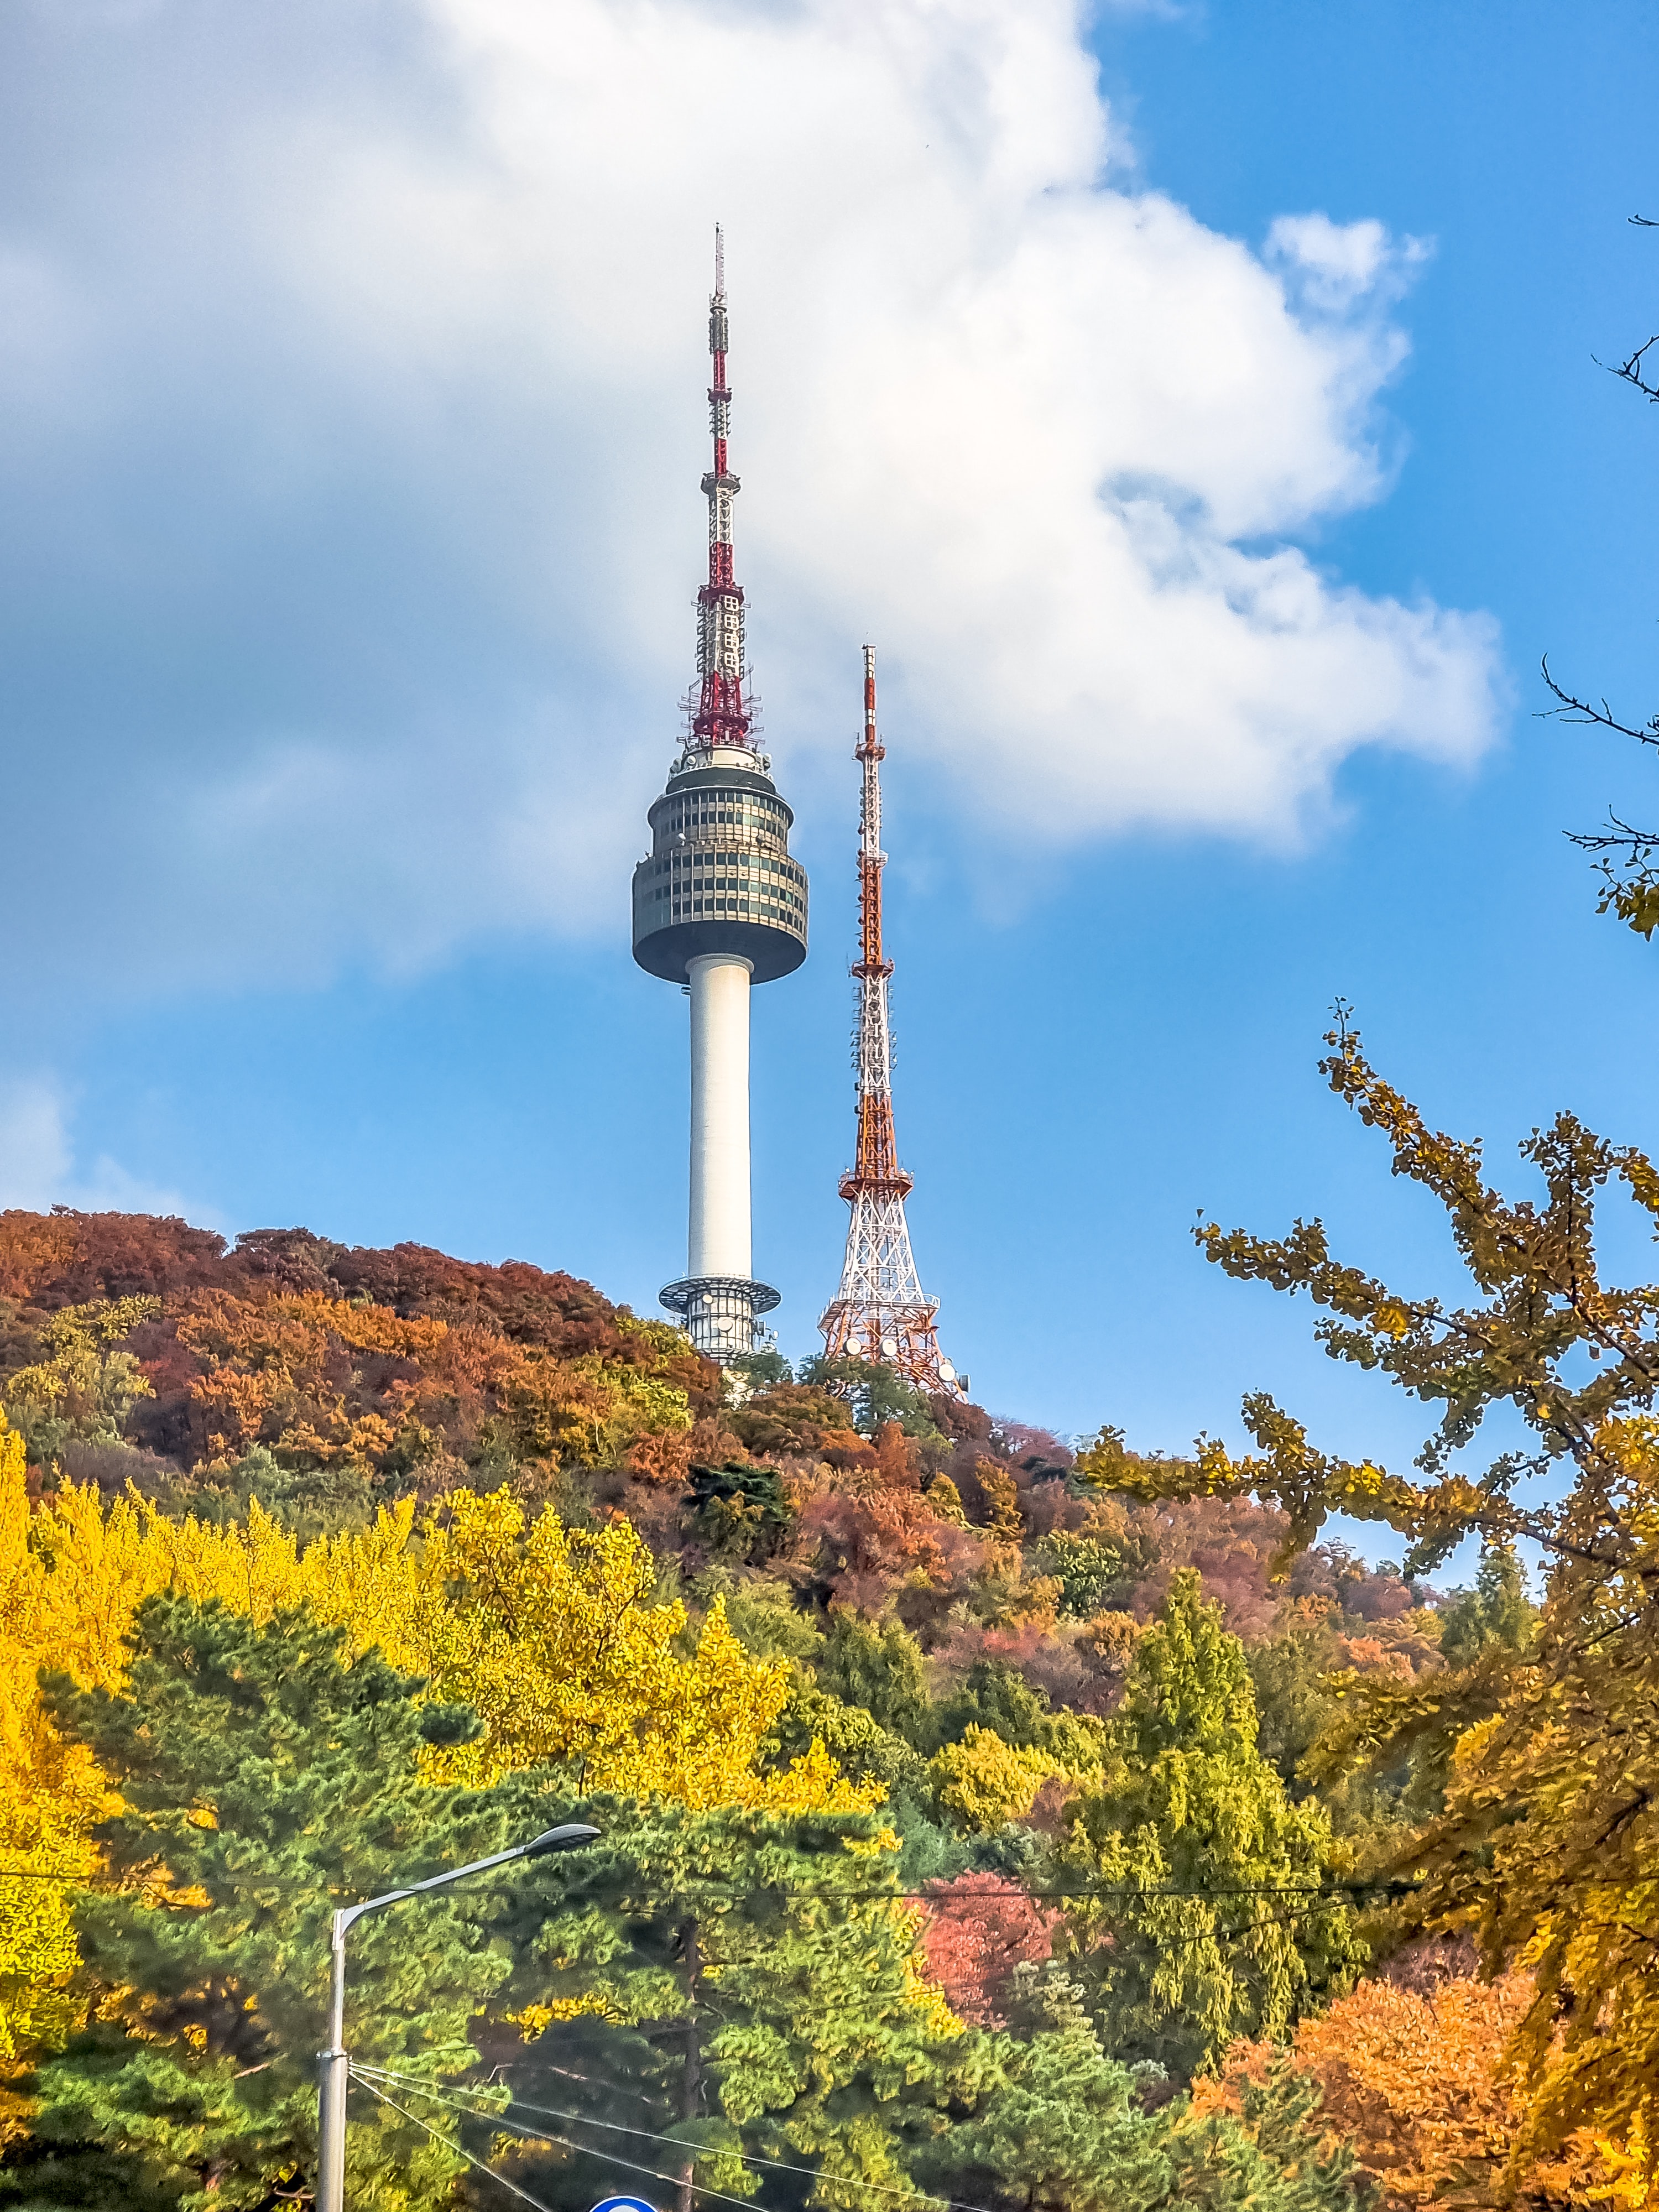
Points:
349	448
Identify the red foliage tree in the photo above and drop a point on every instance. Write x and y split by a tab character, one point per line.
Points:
871	1531
979	1928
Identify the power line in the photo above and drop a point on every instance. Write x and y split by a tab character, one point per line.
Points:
938	1894
459	2149
1174	1942
674	2143
1219	1935
543	2135
475	2111
679	2143
1332	1889
941	1893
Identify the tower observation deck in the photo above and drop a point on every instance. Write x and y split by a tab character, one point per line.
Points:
718	905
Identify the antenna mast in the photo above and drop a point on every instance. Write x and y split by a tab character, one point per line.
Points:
880	1313
724	713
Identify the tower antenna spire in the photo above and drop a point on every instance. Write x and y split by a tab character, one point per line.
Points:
724	715
880	1313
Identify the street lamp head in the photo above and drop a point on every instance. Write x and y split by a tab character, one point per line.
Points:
570	1838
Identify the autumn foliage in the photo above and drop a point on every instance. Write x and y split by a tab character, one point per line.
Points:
402	1362
979	1928
1422	2082
1070	1719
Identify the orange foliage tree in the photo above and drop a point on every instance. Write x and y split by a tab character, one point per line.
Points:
1418	2081
390	1360
320	1379
873	1532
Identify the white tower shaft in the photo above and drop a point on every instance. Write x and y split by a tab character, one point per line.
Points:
719	1242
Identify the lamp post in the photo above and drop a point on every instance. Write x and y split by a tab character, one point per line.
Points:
334	2064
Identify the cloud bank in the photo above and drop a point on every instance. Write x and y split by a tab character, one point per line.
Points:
350	420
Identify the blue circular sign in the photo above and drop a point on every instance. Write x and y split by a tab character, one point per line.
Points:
623	2204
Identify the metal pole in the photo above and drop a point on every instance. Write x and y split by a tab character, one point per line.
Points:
334	2064
333	2068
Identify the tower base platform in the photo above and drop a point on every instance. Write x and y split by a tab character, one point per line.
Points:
721	1313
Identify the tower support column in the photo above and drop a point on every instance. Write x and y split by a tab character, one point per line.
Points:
718	1242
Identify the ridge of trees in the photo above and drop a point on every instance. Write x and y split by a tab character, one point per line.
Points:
982	1817
938	1715
983	1821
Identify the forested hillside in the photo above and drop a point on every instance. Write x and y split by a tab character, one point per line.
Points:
983	1821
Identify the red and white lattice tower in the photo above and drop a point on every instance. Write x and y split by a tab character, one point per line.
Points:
879	1312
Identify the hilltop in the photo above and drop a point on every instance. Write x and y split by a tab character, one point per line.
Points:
898	1639
328	1380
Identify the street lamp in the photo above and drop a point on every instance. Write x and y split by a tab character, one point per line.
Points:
333	2065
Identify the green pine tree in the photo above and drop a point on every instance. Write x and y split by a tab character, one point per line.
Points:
755	1980
876	1394
758	1984
1291	1675
264	1784
878	1667
1300	1713
994	1696
860	1746
1058	2128
1277	2157
1189	1804
1497	1612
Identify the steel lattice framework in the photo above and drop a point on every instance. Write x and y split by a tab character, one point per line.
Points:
880	1312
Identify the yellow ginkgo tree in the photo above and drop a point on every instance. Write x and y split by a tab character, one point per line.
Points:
555	1636
51	1793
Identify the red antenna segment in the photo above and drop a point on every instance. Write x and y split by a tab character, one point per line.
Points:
724	712
880	1313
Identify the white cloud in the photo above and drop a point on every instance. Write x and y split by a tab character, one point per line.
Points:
1334	268
38	1168
353	420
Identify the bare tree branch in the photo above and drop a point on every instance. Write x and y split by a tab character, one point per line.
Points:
1575	710
1618	837
1628	858
1630	372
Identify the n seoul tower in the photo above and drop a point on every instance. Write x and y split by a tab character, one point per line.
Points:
719	906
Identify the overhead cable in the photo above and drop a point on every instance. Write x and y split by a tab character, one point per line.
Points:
679	2143
359	2077
545	2135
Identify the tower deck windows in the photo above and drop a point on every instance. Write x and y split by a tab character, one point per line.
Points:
722	837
